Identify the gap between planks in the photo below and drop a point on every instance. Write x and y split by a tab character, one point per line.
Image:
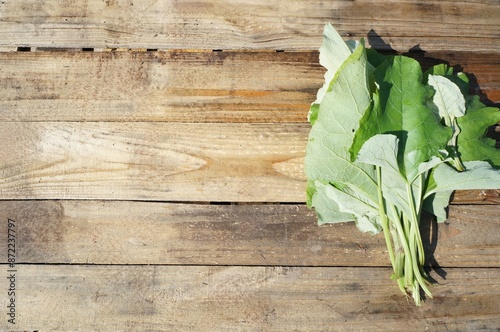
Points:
24	49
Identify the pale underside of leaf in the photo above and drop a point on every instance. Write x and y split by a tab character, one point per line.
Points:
333	52
327	157
448	98
365	214
382	151
478	175
326	209
437	203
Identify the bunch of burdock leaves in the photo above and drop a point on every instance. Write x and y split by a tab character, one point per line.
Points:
388	142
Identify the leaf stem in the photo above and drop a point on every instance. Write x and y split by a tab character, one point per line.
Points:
384	220
412	267
416	248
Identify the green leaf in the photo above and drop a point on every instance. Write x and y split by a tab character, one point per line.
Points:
375	58
472	142
449	100
366	215
437	203
439	69
478	175
382	151
327	157
400	108
333	53
326	209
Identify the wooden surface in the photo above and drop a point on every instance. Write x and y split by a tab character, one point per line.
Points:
93	232
175	86
229	298
151	155
154	161
256	24
194	162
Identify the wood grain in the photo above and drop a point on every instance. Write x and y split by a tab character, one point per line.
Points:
256	24
152	152
202	298
491	196
158	86
185	86
100	232
153	161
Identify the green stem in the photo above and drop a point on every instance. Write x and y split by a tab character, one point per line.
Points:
384	221
416	245
412	268
421	252
411	257
398	251
453	144
415	212
407	254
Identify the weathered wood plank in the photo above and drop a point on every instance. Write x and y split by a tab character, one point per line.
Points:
158	86
191	298
183	86
153	161
93	232
256	24
491	196
207	162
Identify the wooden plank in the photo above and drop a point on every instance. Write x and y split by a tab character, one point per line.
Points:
200	298
256	24
153	161
158	86
491	196
204	162
95	232
8	49
184	86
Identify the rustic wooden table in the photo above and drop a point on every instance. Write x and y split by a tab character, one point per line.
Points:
151	167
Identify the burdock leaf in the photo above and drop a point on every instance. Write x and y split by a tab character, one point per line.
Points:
477	175
448	98
333	53
472	141
327	154
400	108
